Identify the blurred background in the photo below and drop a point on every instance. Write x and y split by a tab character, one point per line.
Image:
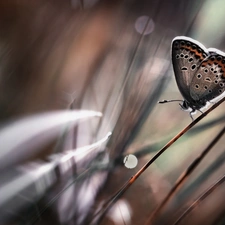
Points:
64	60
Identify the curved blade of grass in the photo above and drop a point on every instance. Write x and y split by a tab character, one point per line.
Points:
180	181
200	199
126	186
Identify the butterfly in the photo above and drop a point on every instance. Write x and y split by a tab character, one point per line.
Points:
199	73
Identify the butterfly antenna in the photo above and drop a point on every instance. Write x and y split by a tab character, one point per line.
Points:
168	101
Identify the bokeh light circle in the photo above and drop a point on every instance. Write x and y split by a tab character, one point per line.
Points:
130	161
141	23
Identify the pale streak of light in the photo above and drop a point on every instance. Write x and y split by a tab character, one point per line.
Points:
38	129
67	160
38	176
80	153
22	182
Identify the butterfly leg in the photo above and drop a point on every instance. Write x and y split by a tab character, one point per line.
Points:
200	111
191	116
181	106
192	111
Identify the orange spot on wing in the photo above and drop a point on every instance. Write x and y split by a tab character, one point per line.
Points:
195	51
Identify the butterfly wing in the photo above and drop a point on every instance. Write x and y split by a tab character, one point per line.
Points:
209	80
187	56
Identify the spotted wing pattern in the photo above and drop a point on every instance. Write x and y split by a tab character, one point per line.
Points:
187	56
208	81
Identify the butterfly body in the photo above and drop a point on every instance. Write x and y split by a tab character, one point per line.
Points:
199	72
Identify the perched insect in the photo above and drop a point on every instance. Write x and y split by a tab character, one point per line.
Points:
199	73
